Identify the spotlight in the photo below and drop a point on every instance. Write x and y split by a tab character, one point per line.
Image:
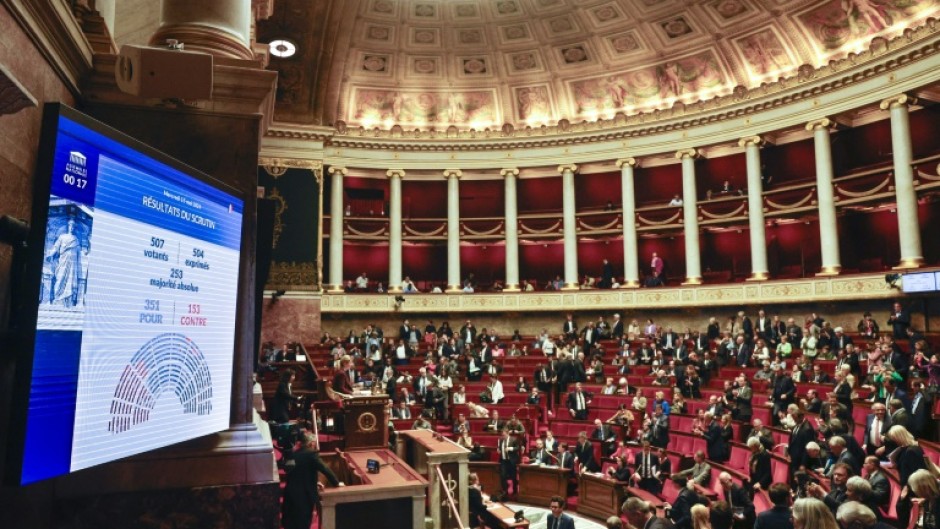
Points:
13	231
519	516
277	294
892	280
399	299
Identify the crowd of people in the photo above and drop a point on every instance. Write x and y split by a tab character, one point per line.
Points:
899	382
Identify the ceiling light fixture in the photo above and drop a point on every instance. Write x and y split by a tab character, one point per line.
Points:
282	48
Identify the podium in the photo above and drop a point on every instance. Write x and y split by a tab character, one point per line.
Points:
365	423
427	452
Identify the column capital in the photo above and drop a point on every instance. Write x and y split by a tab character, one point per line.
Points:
509	171
334	169
632	162
824	123
452	173
897	101
751	140
395	173
568	167
688	153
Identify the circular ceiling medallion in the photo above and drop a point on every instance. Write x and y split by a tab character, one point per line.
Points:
282	48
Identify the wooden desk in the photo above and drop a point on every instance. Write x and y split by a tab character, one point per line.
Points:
600	496
393	498
425	450
537	484
504	517
488	472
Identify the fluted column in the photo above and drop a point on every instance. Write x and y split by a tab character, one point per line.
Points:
453	229
912	255
828	224
755	208
336	229
394	229
631	264
569	225
511	212
218	27
693	256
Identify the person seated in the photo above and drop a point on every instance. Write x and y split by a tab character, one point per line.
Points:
422	422
676	201
408	286
540	455
534	398
477	411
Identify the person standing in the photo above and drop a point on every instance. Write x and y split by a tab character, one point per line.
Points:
302	491
508	449
899	320
779	516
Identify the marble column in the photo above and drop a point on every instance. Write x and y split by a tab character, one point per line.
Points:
511	224
693	256
336	229
912	255
755	208
631	263
569	225
218	27
825	197
453	229
394	229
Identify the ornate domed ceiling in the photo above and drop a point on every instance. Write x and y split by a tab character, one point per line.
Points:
482	63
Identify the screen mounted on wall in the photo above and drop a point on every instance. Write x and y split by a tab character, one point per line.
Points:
134	273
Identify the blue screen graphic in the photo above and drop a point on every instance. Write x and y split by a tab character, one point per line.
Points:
135	327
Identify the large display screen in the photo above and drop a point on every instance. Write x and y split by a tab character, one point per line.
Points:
135	321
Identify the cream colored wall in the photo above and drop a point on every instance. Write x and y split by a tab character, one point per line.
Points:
302	323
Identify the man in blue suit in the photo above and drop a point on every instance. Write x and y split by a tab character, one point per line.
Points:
558	519
779	516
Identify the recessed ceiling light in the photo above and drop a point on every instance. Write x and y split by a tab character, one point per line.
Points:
282	48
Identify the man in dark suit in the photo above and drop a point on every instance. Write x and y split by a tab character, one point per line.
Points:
646	464
570	327
494	425
919	409
603	434
669	341
742	351
778	516
591	336
539	455
543	377
819	376
880	486
899	320
737	499
578	402
876	427
584	452
616	329
558	519
302	489
840	340
718	450
892	391
801	434
565	458
784	392
840	454
404	330
467	335
659	427
681	511
642	515
849	356
508	449
759	465
899	414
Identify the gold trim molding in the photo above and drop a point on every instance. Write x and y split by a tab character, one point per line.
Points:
815	289
293	276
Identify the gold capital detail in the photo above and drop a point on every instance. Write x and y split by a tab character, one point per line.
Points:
455	173
687	153
338	169
395	173
632	162
568	167
898	101
751	140
514	171
824	123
